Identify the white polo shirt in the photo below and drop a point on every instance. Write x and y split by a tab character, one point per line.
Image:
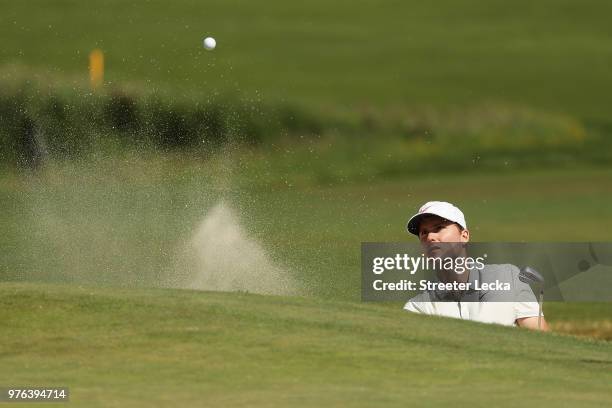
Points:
483	306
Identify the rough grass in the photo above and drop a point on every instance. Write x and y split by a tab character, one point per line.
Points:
581	319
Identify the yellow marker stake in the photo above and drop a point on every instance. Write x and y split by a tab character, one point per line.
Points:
96	68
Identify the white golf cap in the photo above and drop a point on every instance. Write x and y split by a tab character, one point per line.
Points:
439	208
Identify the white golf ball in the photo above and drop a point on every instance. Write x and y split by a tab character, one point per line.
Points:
210	43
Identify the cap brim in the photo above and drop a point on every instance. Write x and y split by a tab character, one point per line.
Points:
413	223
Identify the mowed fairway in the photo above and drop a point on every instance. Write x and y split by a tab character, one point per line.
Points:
138	348
553	54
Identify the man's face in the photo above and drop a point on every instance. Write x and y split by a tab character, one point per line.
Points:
434	229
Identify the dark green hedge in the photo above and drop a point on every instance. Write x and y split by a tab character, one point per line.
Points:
36	124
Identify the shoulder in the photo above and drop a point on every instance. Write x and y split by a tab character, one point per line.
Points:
506	278
506	273
523	299
501	270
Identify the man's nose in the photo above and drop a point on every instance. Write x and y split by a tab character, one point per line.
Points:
431	237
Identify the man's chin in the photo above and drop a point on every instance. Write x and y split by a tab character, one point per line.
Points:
433	252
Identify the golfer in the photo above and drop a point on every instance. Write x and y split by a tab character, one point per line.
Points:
441	227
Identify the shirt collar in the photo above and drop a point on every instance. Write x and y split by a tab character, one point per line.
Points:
468	295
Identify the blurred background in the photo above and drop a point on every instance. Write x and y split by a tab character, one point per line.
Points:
131	156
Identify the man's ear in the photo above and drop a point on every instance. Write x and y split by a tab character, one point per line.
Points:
465	235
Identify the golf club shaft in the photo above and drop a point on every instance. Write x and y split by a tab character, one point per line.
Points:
541	300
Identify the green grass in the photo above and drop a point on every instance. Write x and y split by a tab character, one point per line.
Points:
126	221
133	348
491	88
41	124
550	55
122	221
